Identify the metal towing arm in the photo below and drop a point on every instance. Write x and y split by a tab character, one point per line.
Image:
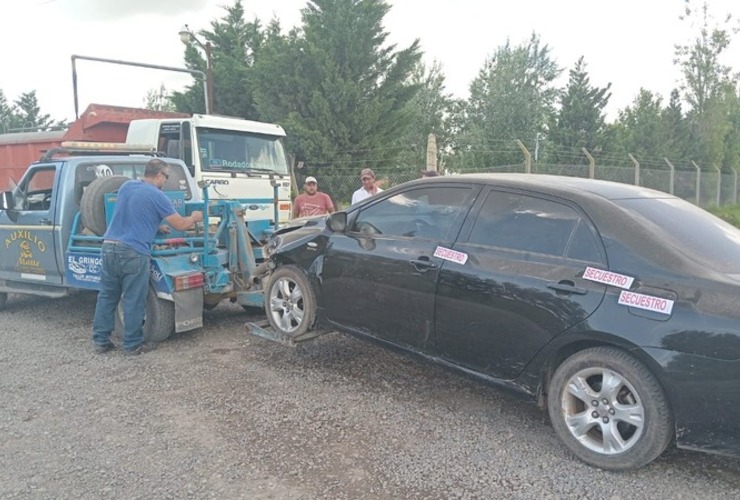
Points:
190	270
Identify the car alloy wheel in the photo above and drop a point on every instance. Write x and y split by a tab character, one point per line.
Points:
290	303
609	409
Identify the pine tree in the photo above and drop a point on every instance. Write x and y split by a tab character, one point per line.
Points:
580	121
340	90
235	46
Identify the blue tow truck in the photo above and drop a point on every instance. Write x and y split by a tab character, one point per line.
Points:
53	219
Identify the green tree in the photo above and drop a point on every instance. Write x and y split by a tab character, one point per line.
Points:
342	93
707	82
25	115
430	111
705	77
580	120
732	139
7	116
159	99
677	143
235	45
641	129
512	98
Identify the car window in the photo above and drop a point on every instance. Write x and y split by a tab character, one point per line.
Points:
530	224
690	230
429	212
36	191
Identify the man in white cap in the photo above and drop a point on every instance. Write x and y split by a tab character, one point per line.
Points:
369	186
311	201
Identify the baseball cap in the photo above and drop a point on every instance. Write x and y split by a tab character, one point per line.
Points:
366	172
311	179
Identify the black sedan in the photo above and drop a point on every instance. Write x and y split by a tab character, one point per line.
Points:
615	306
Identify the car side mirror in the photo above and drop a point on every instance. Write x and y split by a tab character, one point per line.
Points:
337	222
6	200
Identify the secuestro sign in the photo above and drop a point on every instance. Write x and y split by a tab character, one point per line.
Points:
647	302
451	255
608	277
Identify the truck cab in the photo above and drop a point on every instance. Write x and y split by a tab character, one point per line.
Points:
37	216
238	159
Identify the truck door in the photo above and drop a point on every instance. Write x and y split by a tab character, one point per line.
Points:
28	234
175	141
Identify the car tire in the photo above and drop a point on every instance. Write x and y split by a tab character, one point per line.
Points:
624	426
3	300
290	302
92	203
159	319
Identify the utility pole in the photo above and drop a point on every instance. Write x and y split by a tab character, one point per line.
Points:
187	36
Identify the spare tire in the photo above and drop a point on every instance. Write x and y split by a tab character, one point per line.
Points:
92	204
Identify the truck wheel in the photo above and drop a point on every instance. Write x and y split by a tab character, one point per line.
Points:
159	318
290	303
609	409
92	204
3	300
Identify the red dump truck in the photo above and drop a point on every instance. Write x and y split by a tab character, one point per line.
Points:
99	123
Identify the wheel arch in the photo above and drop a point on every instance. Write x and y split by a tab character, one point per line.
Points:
570	346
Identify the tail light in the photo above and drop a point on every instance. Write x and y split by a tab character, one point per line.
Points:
188	281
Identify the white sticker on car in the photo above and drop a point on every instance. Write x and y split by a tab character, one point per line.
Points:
608	277
451	255
647	302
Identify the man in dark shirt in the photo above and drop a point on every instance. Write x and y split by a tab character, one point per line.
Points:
140	207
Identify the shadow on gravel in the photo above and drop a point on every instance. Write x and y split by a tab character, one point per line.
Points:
405	376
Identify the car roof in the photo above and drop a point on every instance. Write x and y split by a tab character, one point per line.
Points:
558	184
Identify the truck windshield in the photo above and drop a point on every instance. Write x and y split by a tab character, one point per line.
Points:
228	150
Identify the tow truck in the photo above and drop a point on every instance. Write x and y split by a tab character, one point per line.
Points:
53	220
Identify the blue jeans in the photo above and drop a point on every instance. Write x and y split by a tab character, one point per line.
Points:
125	276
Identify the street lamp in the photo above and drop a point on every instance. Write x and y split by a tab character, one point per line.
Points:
187	36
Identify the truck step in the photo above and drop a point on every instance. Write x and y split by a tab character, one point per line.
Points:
262	329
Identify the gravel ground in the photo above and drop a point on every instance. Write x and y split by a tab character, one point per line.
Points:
217	413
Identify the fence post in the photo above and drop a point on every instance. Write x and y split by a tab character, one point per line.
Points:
673	175
432	152
637	169
698	181
719	185
734	184
591	163
527	157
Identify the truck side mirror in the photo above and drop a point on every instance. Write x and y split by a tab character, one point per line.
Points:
337	222
6	200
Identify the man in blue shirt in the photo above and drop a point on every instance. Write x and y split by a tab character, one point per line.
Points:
140	208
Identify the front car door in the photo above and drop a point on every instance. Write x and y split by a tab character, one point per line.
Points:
380	277
521	284
27	231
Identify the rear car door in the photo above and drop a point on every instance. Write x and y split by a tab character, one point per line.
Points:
27	231
520	285
380	277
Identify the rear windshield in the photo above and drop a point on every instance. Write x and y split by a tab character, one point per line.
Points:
89	171
693	231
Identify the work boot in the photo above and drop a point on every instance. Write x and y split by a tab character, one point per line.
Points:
141	349
103	348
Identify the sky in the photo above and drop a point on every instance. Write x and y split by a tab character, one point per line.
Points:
629	43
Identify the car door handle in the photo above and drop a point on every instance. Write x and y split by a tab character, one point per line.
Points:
45	222
423	264
567	286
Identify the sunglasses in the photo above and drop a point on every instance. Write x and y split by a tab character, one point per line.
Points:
166	175
366	178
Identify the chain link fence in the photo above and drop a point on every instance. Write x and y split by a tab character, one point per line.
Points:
701	187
